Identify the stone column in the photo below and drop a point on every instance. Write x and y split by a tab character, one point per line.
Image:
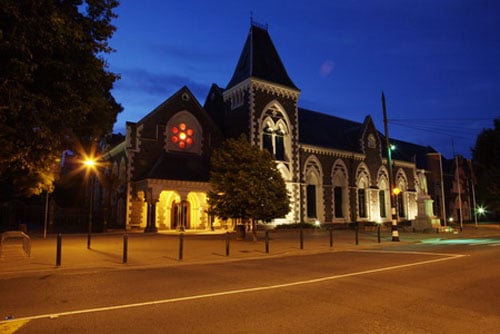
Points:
151	212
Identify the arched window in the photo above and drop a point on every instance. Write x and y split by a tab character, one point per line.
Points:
267	137
313	187
275	133
363	183
340	190
402	184
383	193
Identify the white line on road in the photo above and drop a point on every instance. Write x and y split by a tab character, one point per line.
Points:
239	291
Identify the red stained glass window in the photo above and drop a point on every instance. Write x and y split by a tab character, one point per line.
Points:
182	136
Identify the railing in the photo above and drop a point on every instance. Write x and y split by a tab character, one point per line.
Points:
16	235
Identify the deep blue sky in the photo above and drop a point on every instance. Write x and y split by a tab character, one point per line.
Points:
438	61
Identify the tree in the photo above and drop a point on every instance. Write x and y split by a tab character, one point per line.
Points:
54	86
246	183
486	159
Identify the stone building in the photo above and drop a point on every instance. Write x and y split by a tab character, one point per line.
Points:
335	169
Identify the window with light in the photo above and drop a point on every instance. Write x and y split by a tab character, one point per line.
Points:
183	133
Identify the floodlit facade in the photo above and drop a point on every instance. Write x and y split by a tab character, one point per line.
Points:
335	169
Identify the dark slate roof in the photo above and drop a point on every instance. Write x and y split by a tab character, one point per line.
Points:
260	59
338	133
409	152
179	166
329	131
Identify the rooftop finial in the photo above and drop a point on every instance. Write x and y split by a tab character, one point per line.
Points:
257	24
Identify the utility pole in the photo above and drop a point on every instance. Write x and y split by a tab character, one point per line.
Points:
394	226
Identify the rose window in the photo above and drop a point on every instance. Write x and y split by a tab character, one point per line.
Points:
182	136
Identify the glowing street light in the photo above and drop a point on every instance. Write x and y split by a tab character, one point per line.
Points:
90	165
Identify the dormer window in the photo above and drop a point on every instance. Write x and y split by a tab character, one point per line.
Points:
372	143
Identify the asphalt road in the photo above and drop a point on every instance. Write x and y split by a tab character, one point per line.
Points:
435	287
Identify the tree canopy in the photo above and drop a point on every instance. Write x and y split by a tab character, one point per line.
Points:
54	86
246	183
486	158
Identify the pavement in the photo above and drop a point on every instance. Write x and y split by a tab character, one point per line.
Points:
120	250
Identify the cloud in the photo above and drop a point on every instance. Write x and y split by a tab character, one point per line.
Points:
142	82
326	68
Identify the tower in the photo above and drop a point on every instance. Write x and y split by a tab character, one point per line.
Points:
262	102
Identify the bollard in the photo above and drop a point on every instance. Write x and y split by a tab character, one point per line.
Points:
125	248
227	243
301	238
378	233
330	229
58	250
267	242
181	245
356	229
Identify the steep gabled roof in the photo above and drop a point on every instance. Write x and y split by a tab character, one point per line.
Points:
259	59
338	133
329	131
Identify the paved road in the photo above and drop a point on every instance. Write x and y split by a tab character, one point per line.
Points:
439	286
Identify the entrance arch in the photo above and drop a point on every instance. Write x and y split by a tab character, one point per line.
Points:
180	215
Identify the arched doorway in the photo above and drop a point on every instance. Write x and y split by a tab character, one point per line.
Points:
180	215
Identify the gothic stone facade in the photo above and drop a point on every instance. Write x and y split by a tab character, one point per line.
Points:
335	169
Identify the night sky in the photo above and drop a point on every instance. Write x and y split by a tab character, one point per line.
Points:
437	61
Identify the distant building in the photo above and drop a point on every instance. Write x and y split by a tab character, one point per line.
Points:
335	169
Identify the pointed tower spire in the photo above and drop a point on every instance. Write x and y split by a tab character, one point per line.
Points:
259	59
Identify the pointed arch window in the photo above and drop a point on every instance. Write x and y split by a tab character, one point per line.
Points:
382	203
338	202
401	206
275	135
267	139
362	203
363	185
313	188
340	190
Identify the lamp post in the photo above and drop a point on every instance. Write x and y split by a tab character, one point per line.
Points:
393	189
90	164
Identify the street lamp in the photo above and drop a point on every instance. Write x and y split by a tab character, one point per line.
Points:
90	165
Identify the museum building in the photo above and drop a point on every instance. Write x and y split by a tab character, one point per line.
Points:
335	169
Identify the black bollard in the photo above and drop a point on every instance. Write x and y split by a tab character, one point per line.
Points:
227	243
58	250
267	242
378	233
125	248
181	245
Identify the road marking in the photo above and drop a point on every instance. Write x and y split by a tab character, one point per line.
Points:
11	326
240	291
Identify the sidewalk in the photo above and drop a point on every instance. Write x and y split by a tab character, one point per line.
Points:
161	249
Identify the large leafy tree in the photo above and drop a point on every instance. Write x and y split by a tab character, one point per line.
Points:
246	183
486	158
54	86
